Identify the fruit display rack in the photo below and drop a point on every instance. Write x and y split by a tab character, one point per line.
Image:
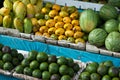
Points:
84	52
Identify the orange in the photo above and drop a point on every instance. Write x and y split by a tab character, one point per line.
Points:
79	40
66	20
74	15
50	23
59	24
58	18
56	7
43	29
53	13
59	31
47	35
76	28
51	30
63	13
62	37
78	34
41	22
45	10
69	33
68	26
34	21
38	33
75	22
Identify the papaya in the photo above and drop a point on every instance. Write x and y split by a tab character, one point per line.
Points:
15	5
27	25
30	10
18	24
20	10
26	2
7	21
4	11
33	2
8	4
1	19
39	4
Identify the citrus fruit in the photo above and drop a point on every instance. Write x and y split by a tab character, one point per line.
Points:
1	64
1	54
8	66
113	71
102	70
19	69
63	70
62	60
14	52
32	55
15	61
27	71
7	57
108	63
37	73
25	62
65	77
52	58
20	56
106	77
71	72
34	64
76	67
41	57
43	66
85	76
53	68
45	75
95	76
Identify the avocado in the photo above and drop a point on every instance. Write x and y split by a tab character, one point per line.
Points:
27	71
8	66
102	70
19	69
52	58
113	71
7	57
6	49
55	77
32	55
62	60
106	77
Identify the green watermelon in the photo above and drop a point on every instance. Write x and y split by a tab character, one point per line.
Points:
88	20
97	37
111	25
112	41
115	3
108	12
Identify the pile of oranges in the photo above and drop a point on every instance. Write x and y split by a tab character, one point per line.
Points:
59	23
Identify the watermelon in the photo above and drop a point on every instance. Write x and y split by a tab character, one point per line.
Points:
111	25
108	12
115	3
112	42
97	37
88	20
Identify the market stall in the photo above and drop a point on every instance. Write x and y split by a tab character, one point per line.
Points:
67	29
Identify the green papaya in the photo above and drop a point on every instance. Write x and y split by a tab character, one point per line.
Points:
26	2
33	2
8	4
18	24
15	5
7	21
30	11
39	4
27	25
20	10
1	19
